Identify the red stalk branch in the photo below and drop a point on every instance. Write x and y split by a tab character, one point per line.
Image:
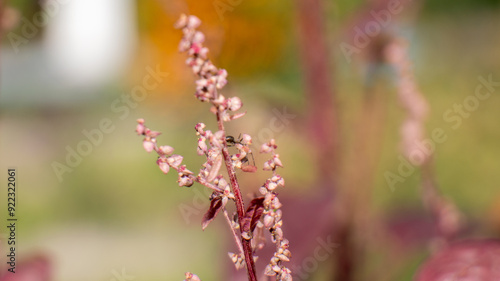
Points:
240	207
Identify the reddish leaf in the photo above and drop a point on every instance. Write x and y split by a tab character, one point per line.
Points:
465	260
215	207
253	214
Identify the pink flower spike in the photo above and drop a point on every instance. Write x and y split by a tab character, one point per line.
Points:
148	145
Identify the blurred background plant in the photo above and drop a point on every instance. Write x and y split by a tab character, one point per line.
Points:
90	215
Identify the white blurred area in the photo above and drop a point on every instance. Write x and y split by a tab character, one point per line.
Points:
90	41
85	46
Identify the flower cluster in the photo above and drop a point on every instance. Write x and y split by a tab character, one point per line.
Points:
262	212
412	130
273	214
211	78
166	159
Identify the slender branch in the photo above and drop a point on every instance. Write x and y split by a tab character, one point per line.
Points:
240	207
235	236
199	180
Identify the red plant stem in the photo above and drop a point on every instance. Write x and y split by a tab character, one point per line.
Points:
240	207
324	126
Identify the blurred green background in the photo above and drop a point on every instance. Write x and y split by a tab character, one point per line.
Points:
115	210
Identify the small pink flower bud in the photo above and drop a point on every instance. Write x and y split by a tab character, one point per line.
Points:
199	128
219	136
164	167
234	104
275	203
221	78
184	45
262	190
140	129
198	38
185	181
272	186
202	147
283	257
181	22
279	233
246	139
193	22
265	148
203	53
277	161
148	145
233	257
269	271
191	277
278	215
267	166
166	150
219	100
175	160
268	221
